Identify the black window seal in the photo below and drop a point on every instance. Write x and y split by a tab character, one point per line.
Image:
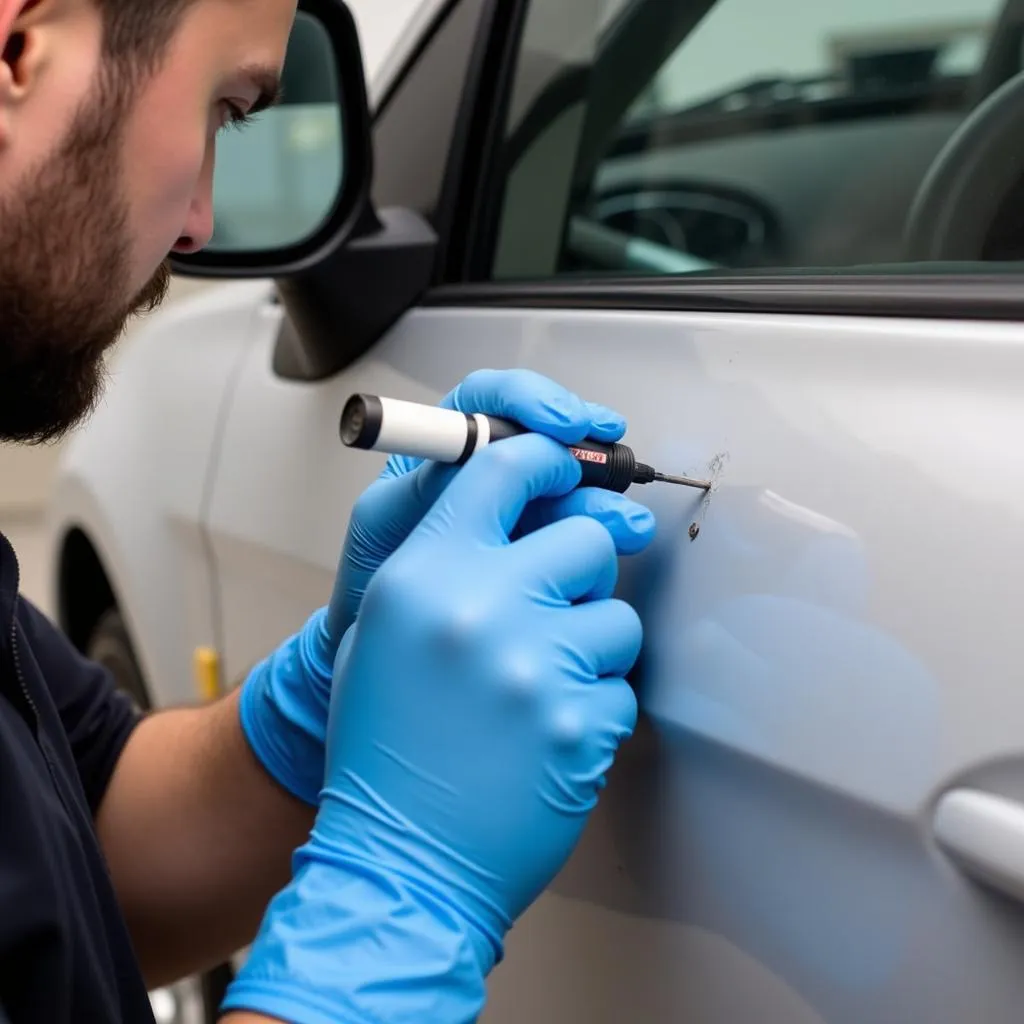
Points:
929	296
478	134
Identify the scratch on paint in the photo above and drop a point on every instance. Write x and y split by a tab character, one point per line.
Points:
716	467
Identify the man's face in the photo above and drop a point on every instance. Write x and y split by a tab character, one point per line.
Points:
99	183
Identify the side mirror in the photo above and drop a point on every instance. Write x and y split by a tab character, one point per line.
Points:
296	181
292	202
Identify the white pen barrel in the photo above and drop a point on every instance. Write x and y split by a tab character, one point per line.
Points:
408	428
421	431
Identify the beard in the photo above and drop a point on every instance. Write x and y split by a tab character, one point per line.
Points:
65	260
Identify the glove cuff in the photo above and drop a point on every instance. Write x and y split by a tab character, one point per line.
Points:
348	942
283	711
358	829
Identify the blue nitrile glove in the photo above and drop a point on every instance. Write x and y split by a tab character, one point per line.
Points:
387	512
284	701
479	700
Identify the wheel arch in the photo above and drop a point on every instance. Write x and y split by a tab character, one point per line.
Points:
84	590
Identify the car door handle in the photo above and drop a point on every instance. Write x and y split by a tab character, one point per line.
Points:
984	836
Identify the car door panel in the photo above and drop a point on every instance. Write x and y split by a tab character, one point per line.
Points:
836	648
818	817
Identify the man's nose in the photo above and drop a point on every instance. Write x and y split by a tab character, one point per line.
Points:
198	227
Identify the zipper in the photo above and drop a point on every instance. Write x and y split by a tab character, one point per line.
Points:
18	674
23	687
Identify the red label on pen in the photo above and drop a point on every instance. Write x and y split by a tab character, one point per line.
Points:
586	455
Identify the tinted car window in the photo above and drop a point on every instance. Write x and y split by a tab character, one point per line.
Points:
737	136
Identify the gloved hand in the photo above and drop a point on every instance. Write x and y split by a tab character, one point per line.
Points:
284	701
386	514
479	700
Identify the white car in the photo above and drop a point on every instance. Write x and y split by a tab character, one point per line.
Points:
783	237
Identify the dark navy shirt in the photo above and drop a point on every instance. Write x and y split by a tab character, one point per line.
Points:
65	952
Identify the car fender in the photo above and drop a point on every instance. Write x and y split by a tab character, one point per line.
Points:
135	477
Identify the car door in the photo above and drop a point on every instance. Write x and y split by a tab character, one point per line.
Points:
759	231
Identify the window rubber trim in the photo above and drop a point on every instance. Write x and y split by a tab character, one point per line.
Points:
926	296
481	117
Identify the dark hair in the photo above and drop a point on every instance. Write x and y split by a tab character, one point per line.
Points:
136	33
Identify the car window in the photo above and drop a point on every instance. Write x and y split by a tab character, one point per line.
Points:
743	136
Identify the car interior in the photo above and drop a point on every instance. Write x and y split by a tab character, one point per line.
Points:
903	149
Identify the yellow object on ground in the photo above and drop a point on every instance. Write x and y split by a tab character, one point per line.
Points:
206	665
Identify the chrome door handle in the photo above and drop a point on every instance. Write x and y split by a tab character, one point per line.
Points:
984	836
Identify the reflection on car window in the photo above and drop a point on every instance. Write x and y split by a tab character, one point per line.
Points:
834	55
688	136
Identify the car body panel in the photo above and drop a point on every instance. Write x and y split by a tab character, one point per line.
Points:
837	646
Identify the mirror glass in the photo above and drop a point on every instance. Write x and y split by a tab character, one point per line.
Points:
277	179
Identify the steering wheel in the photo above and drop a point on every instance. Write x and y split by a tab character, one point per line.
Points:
956	205
609	249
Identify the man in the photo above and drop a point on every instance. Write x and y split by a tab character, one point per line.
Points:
409	771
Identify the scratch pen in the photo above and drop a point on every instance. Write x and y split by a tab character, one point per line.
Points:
390	425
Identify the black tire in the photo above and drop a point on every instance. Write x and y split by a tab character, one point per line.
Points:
215	988
111	646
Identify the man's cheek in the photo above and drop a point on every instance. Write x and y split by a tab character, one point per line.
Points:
165	168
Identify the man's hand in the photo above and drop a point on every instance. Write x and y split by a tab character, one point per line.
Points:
285	700
389	511
479	699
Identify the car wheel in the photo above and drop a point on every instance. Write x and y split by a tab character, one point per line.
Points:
194	1000
111	646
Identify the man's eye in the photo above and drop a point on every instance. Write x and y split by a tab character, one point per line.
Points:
233	116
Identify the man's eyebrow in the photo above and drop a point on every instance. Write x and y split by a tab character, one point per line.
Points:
268	82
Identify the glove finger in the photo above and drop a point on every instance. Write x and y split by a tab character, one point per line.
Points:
605	424
590	727
571	560
399	465
392	507
383	517
537	403
615	705
631	525
486	498
604	637
610	712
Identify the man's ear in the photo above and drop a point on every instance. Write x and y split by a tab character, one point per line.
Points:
10	11
16	19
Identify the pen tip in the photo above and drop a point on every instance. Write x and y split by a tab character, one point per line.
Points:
683	481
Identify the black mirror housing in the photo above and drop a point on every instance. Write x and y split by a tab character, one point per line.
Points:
343	287
351	214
